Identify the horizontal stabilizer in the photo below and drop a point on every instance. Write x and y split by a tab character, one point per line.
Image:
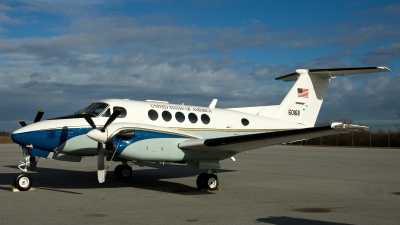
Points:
254	141
335	72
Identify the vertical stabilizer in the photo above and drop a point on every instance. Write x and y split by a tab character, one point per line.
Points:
303	102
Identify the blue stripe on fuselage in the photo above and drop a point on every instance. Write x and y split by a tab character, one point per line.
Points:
48	140
140	135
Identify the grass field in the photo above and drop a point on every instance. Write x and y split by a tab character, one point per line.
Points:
5	139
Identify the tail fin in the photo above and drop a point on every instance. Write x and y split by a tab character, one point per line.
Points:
304	100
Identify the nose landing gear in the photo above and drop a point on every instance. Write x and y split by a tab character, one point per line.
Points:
23	181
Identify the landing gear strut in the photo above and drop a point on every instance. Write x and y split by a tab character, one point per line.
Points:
123	171
207	180
28	160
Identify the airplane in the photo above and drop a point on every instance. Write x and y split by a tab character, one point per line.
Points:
200	137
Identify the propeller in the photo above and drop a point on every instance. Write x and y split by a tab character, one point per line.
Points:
101	137
38	117
23	124
89	120
101	172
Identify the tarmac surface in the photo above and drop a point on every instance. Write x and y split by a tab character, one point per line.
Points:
276	185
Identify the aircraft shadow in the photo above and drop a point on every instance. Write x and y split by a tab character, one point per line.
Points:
155	178
396	193
284	220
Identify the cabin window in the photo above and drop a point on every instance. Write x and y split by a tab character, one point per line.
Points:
166	116
192	118
122	114
245	122
180	117
205	119
153	115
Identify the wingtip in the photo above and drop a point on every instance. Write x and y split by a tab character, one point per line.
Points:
384	68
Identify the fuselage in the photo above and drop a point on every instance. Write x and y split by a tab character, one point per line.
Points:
158	128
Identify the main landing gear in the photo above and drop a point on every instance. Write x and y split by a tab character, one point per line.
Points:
123	171
208	180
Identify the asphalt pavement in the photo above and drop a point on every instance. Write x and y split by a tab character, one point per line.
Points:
276	185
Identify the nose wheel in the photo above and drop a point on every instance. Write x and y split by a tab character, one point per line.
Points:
23	182
207	181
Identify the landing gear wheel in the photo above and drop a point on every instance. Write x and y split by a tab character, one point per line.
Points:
123	171
23	182
200	181
207	181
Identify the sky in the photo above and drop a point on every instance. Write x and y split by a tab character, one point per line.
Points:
62	55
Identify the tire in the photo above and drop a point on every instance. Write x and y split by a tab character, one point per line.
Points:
23	182
200	181
123	172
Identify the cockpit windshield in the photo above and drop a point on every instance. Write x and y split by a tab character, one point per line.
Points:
93	109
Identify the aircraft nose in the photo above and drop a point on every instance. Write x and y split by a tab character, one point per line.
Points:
20	138
39	139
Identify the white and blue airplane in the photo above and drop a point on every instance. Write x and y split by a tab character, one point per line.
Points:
156	131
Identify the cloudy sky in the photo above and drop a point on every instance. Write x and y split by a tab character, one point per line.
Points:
62	55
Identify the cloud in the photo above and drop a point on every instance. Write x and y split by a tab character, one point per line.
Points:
391	9
5	19
66	7
362	97
383	55
331	60
92	56
4	7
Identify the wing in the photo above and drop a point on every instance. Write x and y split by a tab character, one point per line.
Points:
254	141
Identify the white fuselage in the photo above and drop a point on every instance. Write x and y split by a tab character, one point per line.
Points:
178	120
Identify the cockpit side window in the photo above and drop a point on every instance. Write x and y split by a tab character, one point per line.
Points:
94	109
123	113
84	109
106	113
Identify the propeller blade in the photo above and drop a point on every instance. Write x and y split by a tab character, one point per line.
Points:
89	120
39	116
112	118
101	172
23	124
101	176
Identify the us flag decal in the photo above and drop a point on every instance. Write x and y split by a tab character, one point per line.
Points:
302	92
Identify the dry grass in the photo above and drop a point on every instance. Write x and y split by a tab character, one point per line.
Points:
5	139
